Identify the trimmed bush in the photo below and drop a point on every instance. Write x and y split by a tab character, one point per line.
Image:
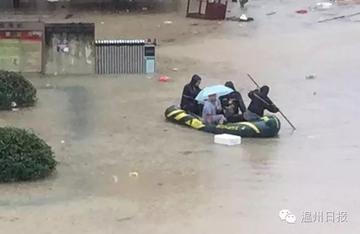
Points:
24	156
15	89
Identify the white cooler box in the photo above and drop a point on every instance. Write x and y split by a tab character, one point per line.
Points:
227	139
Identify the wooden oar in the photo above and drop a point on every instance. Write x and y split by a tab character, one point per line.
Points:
283	115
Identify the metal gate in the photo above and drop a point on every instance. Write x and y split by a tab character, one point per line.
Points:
120	56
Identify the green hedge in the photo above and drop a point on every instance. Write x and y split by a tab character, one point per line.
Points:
14	88
24	156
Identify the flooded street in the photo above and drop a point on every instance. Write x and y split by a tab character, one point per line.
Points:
113	126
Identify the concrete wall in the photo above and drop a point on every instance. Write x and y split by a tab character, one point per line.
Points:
69	49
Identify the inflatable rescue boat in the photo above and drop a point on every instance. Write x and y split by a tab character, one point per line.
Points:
267	126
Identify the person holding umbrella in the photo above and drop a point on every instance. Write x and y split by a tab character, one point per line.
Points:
211	109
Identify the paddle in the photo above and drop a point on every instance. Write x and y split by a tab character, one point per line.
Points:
252	79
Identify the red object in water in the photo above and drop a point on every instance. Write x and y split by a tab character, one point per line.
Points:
164	78
302	11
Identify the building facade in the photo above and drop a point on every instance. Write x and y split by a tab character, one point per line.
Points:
53	4
5	4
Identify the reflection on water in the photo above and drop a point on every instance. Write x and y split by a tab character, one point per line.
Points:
79	108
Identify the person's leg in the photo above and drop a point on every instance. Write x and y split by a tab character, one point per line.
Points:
199	109
250	116
190	108
235	118
218	119
242	3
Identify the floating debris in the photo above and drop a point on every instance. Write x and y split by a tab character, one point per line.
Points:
310	77
323	5
243	18
170	40
313	136
271	13
301	11
133	174
124	219
68	16
164	78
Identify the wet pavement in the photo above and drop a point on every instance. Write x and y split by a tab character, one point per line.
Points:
112	126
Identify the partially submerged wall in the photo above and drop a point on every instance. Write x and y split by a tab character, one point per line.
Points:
21	46
69	48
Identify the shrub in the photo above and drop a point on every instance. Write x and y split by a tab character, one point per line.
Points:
14	88
24	156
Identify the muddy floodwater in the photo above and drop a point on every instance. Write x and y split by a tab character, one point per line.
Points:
124	169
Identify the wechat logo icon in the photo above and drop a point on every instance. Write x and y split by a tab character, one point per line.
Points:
286	216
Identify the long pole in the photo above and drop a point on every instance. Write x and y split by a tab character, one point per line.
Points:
339	17
283	115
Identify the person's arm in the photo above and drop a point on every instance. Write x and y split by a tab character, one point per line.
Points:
188	97
252	94
242	106
218	106
268	104
186	92
271	107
